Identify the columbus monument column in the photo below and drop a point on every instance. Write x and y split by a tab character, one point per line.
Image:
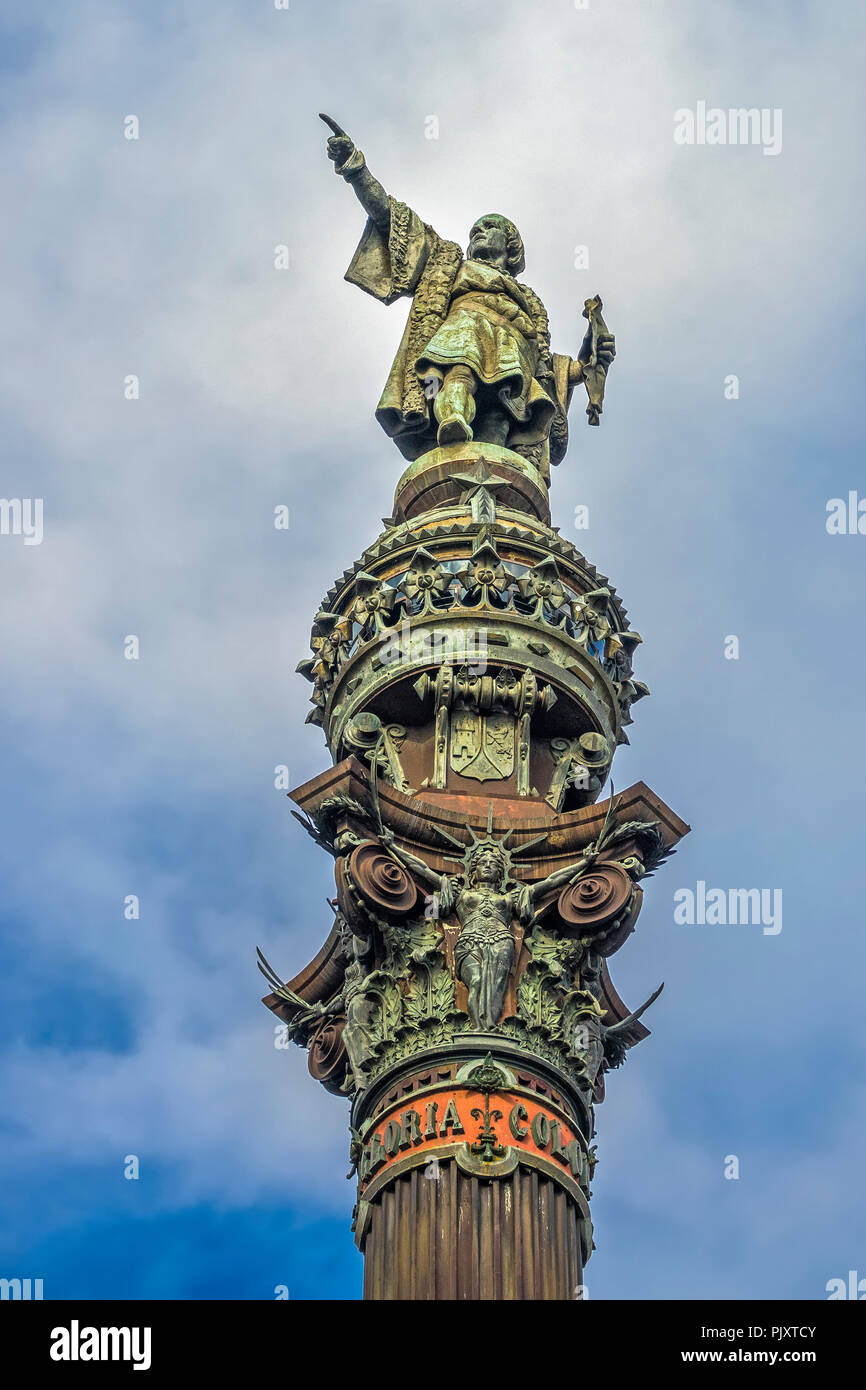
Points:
472	673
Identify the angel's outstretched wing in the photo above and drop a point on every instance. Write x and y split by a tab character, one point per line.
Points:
314	832
621	1036
276	983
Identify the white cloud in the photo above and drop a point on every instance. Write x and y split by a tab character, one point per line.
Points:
257	387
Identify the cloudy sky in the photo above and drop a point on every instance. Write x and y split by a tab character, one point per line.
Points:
155	258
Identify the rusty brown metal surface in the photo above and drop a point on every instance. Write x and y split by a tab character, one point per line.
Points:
461	1238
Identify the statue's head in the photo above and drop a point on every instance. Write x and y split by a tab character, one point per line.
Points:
487	865
493	238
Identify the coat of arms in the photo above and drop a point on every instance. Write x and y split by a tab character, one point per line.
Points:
482	745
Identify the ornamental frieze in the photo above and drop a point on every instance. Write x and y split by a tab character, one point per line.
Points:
491	1128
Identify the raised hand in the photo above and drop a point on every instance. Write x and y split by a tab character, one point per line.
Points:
350	164
341	146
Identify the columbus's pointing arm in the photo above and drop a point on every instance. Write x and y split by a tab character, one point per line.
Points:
351	165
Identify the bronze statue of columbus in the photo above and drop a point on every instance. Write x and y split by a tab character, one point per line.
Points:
475	360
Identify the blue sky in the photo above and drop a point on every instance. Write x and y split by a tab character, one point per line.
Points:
257	387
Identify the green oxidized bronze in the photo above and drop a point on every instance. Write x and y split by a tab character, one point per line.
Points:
472	673
476	344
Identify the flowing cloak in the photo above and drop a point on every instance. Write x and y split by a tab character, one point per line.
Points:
462	312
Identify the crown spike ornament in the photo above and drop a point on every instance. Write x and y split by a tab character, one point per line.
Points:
472	675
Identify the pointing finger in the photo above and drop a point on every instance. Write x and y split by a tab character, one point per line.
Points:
337	129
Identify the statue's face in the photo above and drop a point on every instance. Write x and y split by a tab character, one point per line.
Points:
488	240
487	868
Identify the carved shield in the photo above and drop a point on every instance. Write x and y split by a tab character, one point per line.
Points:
482	745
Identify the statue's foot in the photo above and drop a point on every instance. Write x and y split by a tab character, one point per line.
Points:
455	430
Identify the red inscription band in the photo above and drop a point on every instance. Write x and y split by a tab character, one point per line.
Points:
504	1121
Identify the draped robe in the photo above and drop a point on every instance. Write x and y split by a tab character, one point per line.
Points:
463	312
